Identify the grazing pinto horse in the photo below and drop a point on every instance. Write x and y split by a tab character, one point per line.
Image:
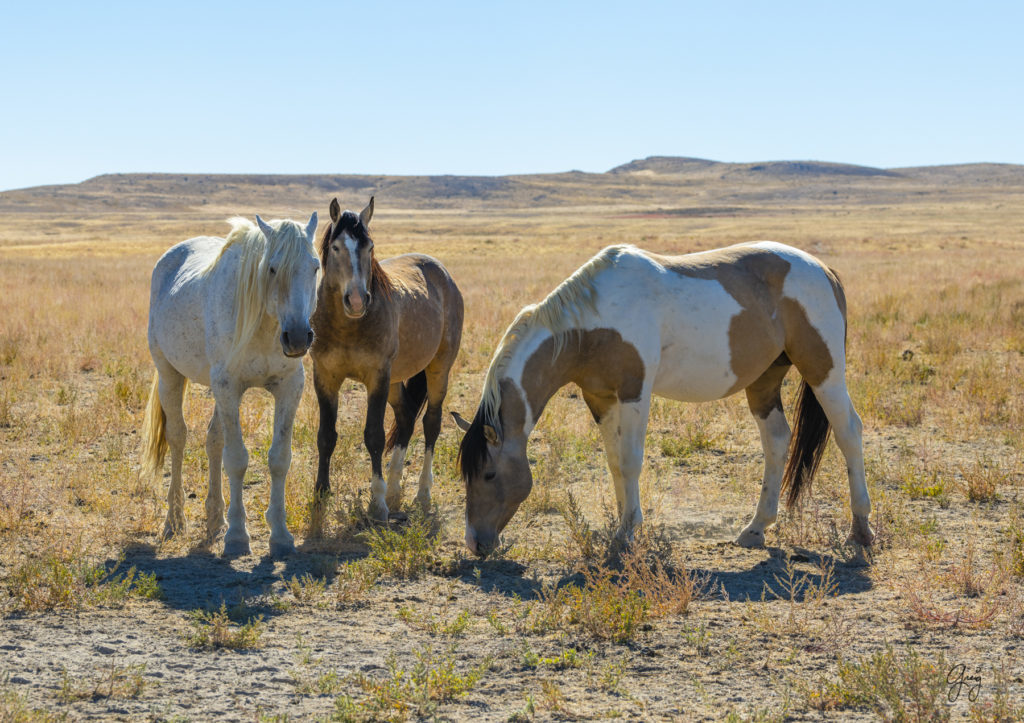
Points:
629	324
395	326
232	314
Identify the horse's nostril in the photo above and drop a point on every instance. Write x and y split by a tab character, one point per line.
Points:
284	338
309	337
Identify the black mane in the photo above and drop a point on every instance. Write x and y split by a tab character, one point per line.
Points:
351	224
473	450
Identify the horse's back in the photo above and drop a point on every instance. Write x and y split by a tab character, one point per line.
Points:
177	306
712	322
420	273
430	311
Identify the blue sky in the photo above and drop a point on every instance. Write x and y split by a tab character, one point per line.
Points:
494	88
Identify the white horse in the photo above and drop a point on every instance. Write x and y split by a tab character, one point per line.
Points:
231	314
630	324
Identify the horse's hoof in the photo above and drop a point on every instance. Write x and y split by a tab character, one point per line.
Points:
215	531
236	548
423	501
861	533
750	539
378	512
171	530
394	500
282	549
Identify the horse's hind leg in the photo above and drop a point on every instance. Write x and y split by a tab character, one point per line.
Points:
215	522
172	390
287	395
765	401
437	390
835	401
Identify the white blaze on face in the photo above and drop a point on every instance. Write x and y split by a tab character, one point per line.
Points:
353	255
355	292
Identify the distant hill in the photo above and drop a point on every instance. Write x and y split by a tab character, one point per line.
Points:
677	165
665	184
666	164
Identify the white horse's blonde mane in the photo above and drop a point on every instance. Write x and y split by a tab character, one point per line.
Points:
560	312
287	247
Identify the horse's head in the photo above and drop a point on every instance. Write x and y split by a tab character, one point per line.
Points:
346	252
290	269
495	469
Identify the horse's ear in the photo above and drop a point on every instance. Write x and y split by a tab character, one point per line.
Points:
491	436
311	226
264	227
460	422
335	210
367	213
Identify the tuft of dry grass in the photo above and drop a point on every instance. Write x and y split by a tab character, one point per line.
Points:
402	693
893	686
212	630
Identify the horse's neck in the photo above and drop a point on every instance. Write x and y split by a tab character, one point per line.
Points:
538	373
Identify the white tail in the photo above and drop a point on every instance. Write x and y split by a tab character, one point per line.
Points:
153	433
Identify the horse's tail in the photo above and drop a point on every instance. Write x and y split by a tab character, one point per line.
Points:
414	396
154	433
810	435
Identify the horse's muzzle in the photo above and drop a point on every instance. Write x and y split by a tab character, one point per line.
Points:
296	345
355	304
479	544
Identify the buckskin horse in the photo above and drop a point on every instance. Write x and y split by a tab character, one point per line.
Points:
395	326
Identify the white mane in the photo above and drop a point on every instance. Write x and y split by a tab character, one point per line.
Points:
287	247
560	312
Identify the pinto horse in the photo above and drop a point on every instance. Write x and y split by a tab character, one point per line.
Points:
231	314
629	324
396	327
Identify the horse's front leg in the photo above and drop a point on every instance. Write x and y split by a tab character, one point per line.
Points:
624	428
236	461
215	522
326	388
287	395
373	437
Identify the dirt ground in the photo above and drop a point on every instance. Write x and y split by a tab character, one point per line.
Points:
801	630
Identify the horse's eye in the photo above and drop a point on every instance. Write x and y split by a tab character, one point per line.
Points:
488	476
335	248
273	270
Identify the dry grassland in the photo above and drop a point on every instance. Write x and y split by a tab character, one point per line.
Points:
98	618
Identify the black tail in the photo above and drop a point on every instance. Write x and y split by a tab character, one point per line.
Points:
414	396
810	434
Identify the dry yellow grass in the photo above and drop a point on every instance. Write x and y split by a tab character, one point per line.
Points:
935	281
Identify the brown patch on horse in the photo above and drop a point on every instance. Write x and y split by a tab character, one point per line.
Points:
765	394
804	344
754	277
512	420
607	369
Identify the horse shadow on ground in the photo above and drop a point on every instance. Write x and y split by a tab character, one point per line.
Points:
778	576
246	586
